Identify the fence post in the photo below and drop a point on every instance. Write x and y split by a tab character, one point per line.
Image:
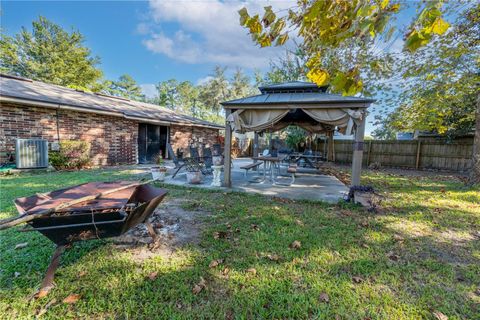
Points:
369	150
417	162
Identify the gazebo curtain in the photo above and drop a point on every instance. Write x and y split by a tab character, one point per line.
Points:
258	120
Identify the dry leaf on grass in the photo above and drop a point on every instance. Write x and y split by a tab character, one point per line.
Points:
202	284
152	276
215	263
226	271
323	297
398	238
73	298
357	279
255	227
21	245
43	310
220	235
252	271
273	257
82	273
296	244
299	222
392	256
439	316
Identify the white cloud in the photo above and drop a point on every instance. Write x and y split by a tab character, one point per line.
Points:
208	32
149	90
204	80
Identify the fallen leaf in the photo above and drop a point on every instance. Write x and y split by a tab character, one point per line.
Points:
226	271
439	316
43	310
220	235
252	271
255	227
398	238
82	273
299	222
323	297
392	256
21	245
273	257
73	298
196	289
215	263
152	276
296	244
357	279
202	284
366	246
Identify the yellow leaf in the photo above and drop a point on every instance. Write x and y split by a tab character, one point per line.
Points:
384	4
319	76
282	39
243	16
440	26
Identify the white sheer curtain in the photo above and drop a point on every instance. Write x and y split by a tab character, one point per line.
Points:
255	120
259	120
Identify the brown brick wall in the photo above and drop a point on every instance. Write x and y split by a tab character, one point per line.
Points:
182	136
113	139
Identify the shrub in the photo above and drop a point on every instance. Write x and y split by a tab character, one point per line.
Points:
73	154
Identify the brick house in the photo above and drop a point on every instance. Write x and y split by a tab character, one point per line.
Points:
120	131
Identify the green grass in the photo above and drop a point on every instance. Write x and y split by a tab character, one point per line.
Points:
438	266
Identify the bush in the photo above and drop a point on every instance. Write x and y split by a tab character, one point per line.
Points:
73	154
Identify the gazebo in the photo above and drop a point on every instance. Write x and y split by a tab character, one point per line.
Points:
297	103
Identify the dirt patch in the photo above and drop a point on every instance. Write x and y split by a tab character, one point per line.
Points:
174	227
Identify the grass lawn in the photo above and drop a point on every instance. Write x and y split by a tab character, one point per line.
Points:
419	257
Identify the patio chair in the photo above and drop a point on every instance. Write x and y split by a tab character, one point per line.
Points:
178	164
207	159
217	149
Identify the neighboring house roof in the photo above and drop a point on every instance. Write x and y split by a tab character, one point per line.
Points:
295	92
20	90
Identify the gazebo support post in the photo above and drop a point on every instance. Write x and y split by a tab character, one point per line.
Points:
228	152
255	147
358	152
330	146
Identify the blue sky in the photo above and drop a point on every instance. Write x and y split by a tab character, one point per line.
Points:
155	40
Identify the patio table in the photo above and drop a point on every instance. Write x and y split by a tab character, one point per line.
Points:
270	162
306	157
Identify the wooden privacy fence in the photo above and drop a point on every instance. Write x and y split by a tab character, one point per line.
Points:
437	155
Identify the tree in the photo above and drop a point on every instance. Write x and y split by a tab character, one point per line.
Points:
439	91
125	87
290	67
50	54
339	37
216	90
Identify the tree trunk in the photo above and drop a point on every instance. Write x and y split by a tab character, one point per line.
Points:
475	173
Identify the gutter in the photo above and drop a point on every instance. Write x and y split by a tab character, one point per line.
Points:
51	105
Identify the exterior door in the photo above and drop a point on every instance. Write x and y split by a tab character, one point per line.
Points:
152	142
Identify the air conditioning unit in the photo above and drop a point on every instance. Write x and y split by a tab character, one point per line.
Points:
31	153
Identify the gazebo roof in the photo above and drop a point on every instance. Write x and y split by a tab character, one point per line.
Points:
296	92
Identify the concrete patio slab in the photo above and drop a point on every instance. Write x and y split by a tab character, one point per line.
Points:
309	185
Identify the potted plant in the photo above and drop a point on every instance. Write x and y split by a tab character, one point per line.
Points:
159	171
194	176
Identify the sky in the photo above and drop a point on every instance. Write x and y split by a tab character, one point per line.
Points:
156	40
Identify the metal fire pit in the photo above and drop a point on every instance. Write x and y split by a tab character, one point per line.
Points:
106	216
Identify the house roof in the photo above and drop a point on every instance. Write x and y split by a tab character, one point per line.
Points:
296	92
21	90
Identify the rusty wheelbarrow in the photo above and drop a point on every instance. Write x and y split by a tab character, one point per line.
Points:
88	211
